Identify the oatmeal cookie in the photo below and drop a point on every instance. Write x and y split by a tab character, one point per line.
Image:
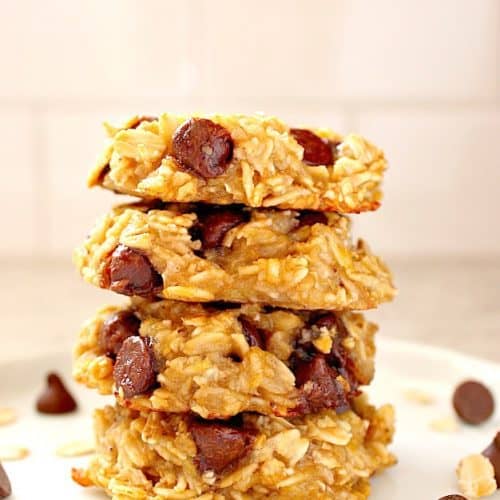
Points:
202	253
217	361
153	456
254	160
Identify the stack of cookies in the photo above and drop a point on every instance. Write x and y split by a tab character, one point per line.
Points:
237	364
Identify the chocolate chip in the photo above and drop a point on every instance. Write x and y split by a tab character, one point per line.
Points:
203	147
324	320
55	399
253	335
317	151
310	217
473	402
117	327
5	488
219	445
129	272
135	367
453	497
492	453
213	224
338	358
319	386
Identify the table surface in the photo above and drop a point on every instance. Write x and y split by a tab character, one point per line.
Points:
453	303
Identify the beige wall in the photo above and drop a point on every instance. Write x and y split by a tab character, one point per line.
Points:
421	78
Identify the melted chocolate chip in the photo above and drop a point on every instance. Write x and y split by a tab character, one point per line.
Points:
129	272
310	217
453	497
117	327
253	335
338	358
203	147
135	367
317	151
55	399
325	320
492	453
473	402
213	224
5	487
219	445
319	386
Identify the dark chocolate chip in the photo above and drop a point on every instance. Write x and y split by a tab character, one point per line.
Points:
453	497
324	320
55	399
317	151
310	217
253	335
473	402
117	327
129	272
219	445
319	386
5	487
492	452
213	224
338	357
135	367
203	147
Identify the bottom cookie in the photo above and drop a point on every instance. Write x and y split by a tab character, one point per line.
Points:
154	456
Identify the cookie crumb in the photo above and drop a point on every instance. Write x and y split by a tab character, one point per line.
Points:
75	449
476	477
419	396
10	453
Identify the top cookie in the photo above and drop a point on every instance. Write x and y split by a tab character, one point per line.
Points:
254	160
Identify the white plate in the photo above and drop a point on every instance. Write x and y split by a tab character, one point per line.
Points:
427	459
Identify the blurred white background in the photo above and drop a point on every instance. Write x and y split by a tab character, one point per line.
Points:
419	78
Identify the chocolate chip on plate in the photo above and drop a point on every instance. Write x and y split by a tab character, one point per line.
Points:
213	224
55	399
219	444
117	327
310	217
492	453
453	497
319	386
129	272
317	151
473	402
203	147
134	370
5	487
253	335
